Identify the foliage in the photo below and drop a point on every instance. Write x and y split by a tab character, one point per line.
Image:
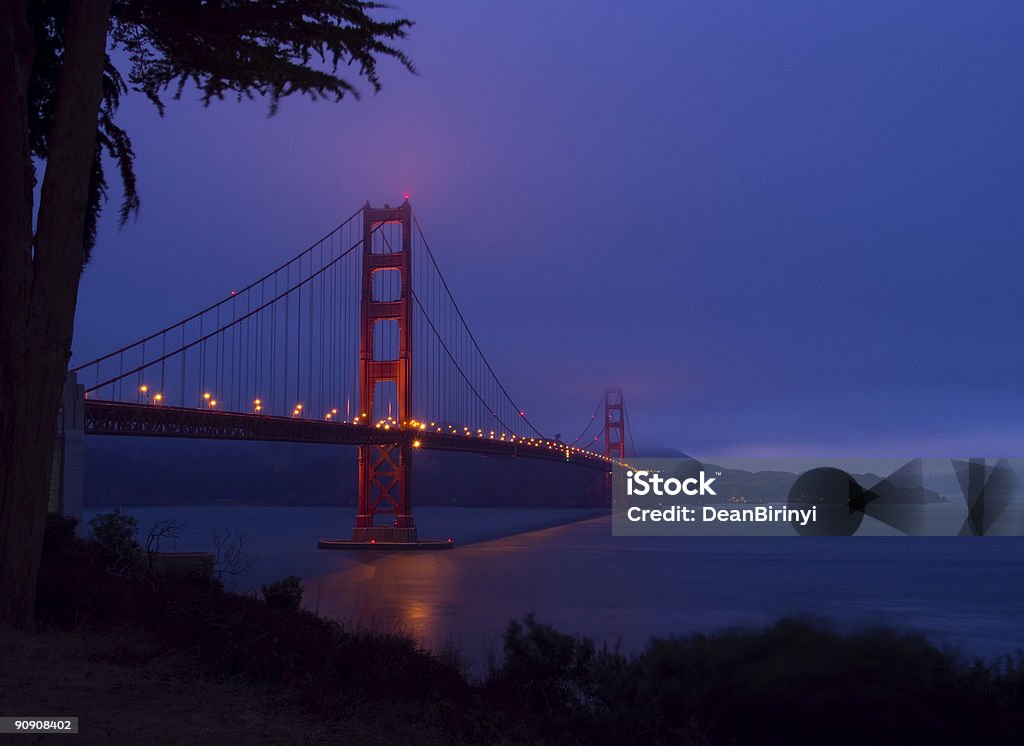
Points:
116	532
283	594
546	672
794	682
239	48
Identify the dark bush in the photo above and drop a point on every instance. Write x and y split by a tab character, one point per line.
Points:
115	532
795	682
283	594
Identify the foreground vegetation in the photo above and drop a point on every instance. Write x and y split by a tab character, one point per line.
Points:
795	682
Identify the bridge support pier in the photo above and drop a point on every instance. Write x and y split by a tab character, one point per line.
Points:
66	477
384	475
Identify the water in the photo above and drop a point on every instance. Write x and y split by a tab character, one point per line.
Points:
966	592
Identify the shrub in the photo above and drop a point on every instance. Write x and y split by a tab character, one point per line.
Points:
284	594
801	682
547	676
115	532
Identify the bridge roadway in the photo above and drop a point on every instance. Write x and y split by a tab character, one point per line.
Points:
147	420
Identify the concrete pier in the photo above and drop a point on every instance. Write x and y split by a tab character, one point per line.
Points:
67	480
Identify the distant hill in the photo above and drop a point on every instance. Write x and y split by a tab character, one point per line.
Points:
158	471
762	486
660	452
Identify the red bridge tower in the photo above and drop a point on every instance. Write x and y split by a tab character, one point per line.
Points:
614	442
385	469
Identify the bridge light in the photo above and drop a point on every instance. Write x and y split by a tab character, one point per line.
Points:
206	396
157	398
143	389
213	403
415	444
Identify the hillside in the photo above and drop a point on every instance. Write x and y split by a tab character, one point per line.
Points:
153	471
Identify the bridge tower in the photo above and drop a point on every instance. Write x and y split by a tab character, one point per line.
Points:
614	440
614	437
385	469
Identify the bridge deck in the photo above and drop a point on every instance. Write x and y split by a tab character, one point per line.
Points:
146	420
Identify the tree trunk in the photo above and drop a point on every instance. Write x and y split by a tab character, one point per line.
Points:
39	279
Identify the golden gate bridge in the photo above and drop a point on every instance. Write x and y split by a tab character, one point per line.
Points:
357	340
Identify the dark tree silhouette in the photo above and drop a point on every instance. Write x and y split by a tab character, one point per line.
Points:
59	94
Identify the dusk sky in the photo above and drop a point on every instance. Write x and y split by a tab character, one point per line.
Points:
785	228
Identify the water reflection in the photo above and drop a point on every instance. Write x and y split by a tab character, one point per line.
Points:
622	590
967	591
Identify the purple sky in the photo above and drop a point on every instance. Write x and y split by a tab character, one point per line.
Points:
785	228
